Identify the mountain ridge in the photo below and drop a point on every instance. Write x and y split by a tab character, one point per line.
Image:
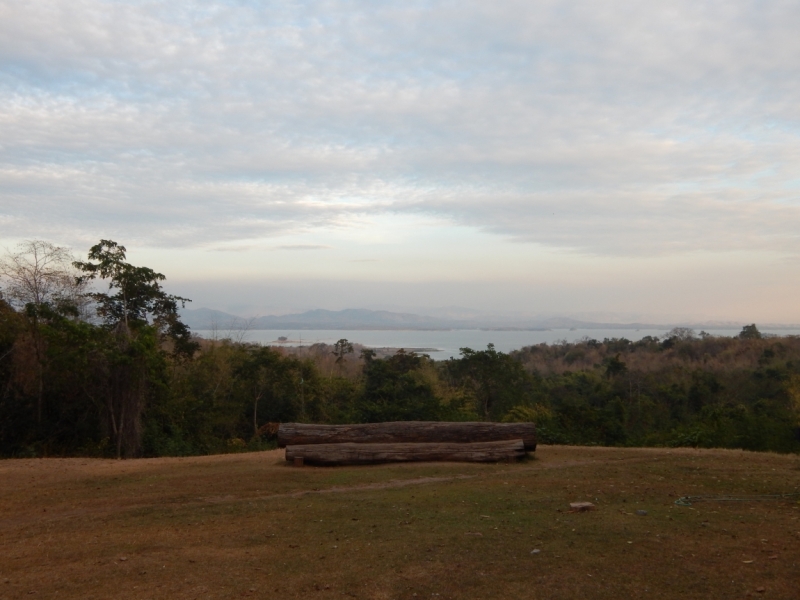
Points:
361	318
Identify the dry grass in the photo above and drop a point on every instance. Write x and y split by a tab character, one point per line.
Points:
249	526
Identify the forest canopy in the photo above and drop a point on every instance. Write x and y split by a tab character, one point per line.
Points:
95	361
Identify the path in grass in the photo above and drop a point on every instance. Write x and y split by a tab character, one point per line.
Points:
249	526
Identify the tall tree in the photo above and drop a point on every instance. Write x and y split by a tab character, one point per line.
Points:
137	299
141	316
341	349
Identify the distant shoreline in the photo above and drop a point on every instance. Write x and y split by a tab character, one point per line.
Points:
594	327
381	328
372	320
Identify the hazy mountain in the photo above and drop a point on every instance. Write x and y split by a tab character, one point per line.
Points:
205	318
359	318
352	318
208	318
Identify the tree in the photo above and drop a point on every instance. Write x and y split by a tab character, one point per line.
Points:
615	366
341	349
40	280
496	381
140	315
257	374
267	383
40	273
399	388
139	298
750	332
680	333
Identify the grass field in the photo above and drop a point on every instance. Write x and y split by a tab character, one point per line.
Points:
247	525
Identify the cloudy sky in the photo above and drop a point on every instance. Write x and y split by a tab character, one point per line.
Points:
623	158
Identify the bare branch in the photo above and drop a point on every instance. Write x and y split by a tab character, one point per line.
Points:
38	273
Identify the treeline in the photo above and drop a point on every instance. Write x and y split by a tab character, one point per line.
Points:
116	373
680	390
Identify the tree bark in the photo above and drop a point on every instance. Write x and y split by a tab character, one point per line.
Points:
406	432
365	454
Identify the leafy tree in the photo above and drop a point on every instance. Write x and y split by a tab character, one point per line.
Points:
617	344
137	299
265	374
750	332
615	366
398	388
140	315
341	349
496	381
680	333
704	387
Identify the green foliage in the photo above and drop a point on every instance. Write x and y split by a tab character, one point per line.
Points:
750	332
341	349
687	390
135	296
69	419
494	381
614	366
139	384
399	388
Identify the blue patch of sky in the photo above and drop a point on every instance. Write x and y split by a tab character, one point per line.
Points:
792	183
782	125
36	80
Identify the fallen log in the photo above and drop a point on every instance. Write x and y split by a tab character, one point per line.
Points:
365	454
291	434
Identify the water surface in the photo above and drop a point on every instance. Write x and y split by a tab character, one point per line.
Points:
442	345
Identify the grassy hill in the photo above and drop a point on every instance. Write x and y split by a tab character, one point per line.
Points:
247	525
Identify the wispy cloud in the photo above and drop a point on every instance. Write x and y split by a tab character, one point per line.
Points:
303	247
614	128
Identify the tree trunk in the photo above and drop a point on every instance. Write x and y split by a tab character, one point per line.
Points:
364	454
37	346
127	395
256	398
120	431
406	432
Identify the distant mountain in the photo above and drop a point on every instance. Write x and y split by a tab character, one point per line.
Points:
353	318
359	318
208	318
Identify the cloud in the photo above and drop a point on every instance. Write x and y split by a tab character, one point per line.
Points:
615	128
303	247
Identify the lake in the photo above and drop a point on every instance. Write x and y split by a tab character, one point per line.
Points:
441	345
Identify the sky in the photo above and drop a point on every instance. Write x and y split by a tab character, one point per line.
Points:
611	160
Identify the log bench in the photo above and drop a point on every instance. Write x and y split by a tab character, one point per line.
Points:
393	432
349	453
